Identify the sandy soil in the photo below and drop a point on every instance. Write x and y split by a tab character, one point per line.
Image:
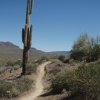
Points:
42	84
38	84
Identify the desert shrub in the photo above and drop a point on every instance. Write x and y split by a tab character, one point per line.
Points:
41	60
85	80
23	84
58	82
31	68
61	58
9	63
78	55
67	60
86	48
2	64
18	62
8	89
89	77
13	63
64	59
13	89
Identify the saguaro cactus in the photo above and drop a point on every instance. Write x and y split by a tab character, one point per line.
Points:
27	36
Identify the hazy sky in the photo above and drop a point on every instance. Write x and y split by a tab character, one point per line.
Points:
57	23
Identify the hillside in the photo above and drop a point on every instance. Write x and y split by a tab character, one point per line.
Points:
10	49
58	53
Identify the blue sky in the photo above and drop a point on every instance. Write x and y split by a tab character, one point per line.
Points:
57	23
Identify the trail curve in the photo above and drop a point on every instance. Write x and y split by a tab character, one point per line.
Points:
38	83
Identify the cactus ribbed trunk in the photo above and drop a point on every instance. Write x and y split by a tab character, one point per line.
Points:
27	36
25	60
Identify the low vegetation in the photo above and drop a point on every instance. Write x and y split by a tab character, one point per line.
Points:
16	86
31	68
64	59
41	60
84	81
13	63
13	89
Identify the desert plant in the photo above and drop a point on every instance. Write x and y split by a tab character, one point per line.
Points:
23	84
10	63
7	89
13	63
61	58
13	89
41	60
27	36
58	82
85	81
86	48
90	80
31	68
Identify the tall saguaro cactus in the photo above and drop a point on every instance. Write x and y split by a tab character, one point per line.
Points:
27	36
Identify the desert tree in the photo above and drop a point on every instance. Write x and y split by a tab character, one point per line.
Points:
86	48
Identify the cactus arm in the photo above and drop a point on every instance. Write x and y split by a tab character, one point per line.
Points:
25	41
31	29
28	39
23	35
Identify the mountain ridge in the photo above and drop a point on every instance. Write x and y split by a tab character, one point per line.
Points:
11	48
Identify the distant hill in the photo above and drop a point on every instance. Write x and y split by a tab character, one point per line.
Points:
58	53
37	53
9	49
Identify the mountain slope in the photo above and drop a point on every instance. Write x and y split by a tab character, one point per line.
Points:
37	53
9	49
58	53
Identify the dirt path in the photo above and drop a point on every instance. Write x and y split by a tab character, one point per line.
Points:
38	83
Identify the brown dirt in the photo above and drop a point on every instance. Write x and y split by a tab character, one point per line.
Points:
51	70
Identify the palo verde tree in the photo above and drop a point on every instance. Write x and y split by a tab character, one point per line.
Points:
27	36
86	48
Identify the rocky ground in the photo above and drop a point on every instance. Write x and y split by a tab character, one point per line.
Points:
50	71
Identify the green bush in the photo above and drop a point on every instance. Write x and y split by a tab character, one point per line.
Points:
61	58
23	84
78	55
86	48
13	63
41	60
59	83
85	80
31	68
9	89
64	59
89	77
